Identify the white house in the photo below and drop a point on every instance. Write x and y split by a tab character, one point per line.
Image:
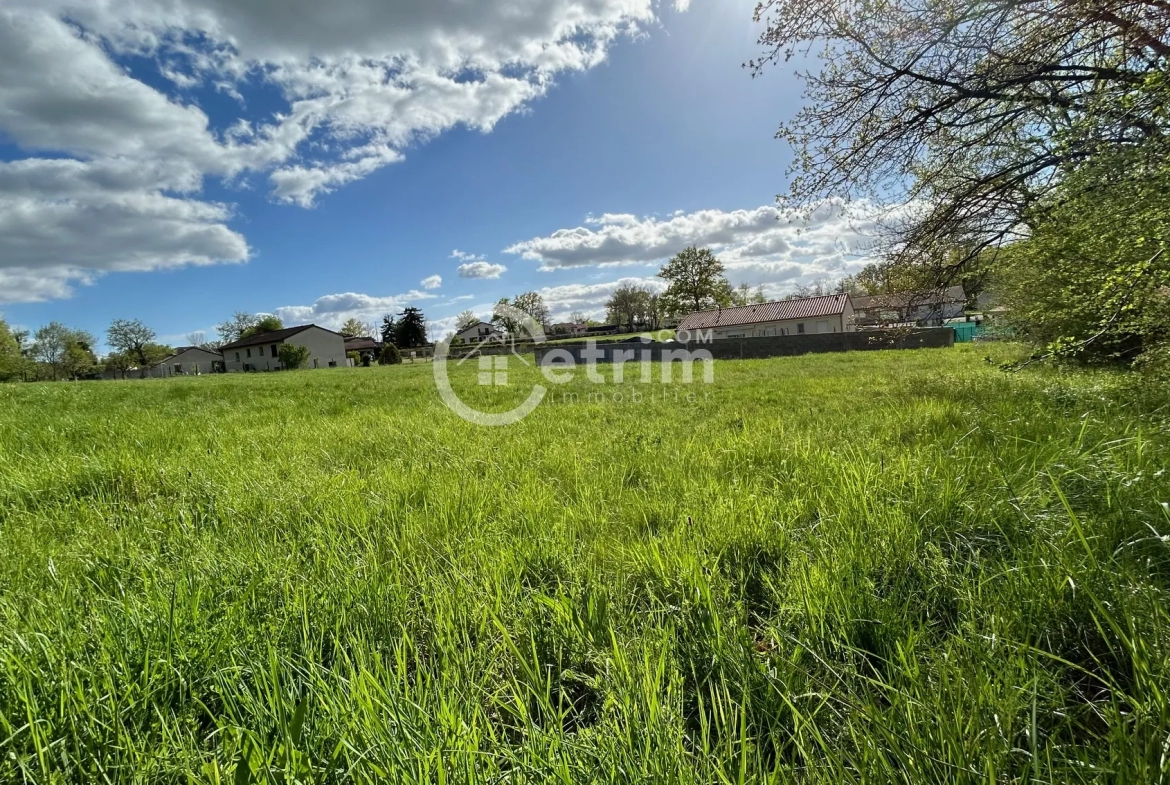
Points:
478	333
188	361
573	329
926	308
261	352
804	316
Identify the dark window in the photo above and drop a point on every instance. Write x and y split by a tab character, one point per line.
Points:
237	356
249	351
273	350
800	327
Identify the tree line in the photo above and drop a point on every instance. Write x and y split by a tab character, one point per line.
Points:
57	352
1027	144
695	280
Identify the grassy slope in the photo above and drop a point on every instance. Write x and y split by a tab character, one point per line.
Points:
885	566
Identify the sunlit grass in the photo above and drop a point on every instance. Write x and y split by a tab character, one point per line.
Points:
889	566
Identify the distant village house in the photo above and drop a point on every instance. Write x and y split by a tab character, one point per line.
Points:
262	352
805	316
188	361
478	333
923	309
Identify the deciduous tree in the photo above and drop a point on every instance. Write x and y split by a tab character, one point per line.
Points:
355	328
627	305
51	345
465	320
11	359
265	323
130	336
695	281
530	303
966	112
233	329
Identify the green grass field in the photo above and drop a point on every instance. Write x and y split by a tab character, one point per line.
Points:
878	567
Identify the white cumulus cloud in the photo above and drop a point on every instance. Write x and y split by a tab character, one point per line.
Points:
764	244
333	310
481	269
431	282
105	153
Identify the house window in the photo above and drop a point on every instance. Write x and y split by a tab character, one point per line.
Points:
237	356
274	353
800	328
249	351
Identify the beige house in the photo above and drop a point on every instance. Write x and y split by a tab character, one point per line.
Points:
804	316
188	361
478	333
262	352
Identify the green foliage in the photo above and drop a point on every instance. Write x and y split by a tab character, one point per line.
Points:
1089	283
130	337
155	353
746	295
11	360
233	329
530	303
63	352
695	282
263	324
627	305
355	328
465	319
292	356
78	360
390	355
865	567
410	331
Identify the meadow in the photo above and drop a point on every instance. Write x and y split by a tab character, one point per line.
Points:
865	567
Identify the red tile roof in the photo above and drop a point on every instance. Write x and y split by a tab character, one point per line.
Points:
782	310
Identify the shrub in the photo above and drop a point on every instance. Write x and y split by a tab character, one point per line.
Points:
357	358
390	355
1092	282
292	356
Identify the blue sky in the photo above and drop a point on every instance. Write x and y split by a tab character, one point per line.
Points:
328	169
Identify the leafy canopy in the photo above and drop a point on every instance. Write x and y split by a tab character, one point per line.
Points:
695	281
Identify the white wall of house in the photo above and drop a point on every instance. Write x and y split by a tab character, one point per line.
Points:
188	363
477	333
326	349
836	323
253	358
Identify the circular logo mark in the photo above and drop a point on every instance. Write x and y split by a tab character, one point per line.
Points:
494	352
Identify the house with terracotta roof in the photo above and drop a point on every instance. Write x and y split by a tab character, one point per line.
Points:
802	316
261	352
